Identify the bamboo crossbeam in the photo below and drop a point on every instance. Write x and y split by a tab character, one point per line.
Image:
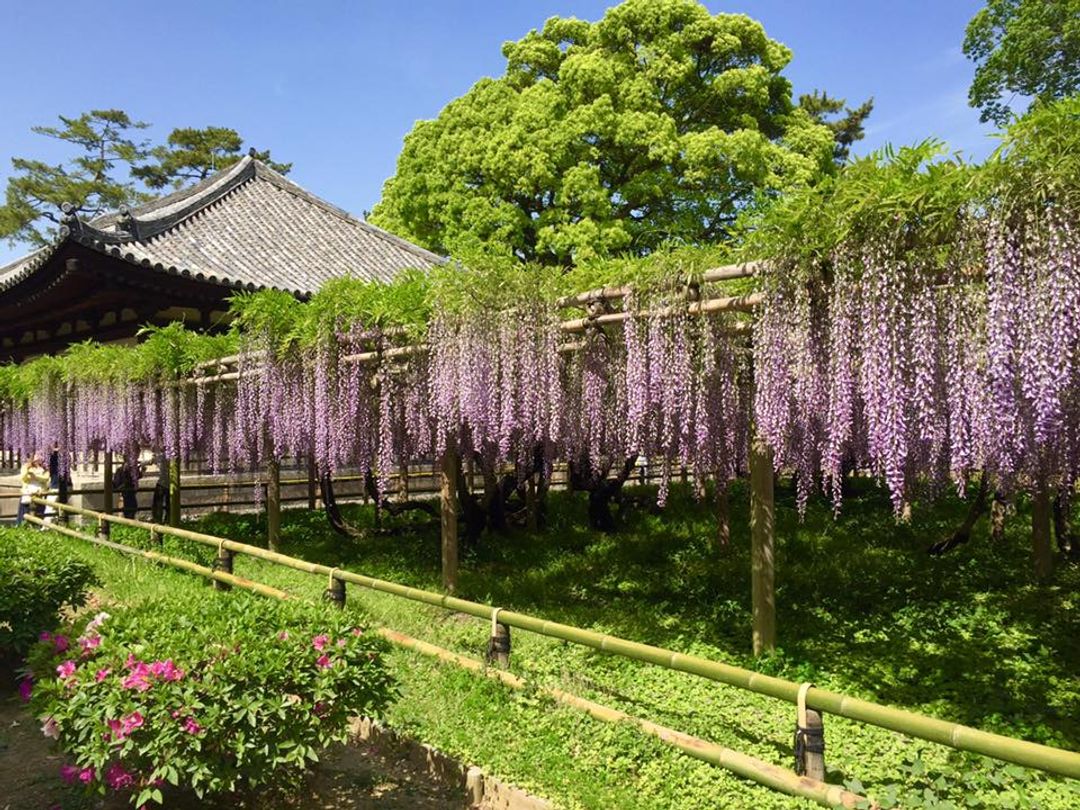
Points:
740	303
944	732
725	273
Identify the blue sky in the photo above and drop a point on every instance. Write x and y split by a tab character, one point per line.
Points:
334	86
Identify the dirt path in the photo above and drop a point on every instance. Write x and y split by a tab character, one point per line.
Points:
352	777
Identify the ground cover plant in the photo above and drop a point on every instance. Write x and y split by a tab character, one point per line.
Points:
861	607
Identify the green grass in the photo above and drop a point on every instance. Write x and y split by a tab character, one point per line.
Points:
861	609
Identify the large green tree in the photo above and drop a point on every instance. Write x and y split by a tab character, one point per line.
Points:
1026	48
658	123
105	141
190	155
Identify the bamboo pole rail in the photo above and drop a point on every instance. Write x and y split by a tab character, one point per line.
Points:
954	735
725	273
756	770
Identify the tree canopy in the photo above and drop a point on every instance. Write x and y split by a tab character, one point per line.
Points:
112	167
35	192
658	123
1027	48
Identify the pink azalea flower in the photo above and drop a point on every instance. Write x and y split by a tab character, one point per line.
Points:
86	776
66	669
139	678
166	670
356	631
191	726
320	642
26	688
50	728
341	642
45	635
60	643
323	661
131	661
283	635
117	778
132	722
102	674
89	643
68	773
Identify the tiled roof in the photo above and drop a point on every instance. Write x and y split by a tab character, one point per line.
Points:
246	227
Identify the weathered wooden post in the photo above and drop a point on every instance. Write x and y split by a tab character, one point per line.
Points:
273	504
498	649
448	508
809	739
762	546
1041	550
107	487
335	591
223	563
103	528
532	517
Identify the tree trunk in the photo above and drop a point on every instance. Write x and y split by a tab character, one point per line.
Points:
1041	550
451	472
762	548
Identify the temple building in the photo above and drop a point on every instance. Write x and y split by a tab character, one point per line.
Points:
182	256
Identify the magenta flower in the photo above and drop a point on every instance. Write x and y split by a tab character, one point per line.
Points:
89	643
132	722
50	728
45	635
66	669
26	688
86	776
356	631
320	642
131	661
323	661
191	726
166	670
117	778
60	643
102	674
139	678
69	773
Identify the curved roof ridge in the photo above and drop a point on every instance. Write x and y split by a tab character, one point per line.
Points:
266	173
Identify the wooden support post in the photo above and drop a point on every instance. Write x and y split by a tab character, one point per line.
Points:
107	504
449	511
762	546
155	538
1041	550
723	513
809	739
223	563
103	529
498	649
335	591
312	487
273	504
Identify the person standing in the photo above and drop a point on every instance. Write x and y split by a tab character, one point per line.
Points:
34	479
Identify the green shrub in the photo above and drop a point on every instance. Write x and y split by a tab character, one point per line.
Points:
38	577
225	695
